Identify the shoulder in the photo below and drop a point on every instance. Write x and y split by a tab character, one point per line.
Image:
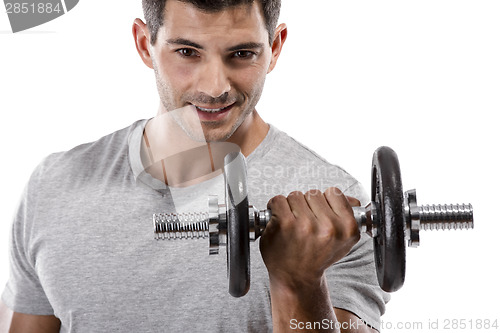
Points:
280	148
283	164
88	159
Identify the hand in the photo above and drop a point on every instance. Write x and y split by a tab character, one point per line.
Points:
307	233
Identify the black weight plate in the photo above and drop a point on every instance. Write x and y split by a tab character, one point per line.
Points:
389	245
238	237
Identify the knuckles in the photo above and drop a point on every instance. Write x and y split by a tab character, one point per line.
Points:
281	211
311	194
279	199
294	196
334	191
334	225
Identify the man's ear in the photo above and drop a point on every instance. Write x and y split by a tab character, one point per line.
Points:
279	39
141	39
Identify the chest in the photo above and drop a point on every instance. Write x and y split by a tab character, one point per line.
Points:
100	265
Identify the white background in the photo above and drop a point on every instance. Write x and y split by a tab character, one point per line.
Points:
420	76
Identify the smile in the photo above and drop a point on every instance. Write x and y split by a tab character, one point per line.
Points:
213	110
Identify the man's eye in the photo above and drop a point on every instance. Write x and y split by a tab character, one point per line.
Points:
186	52
244	54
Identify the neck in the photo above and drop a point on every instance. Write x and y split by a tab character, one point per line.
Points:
171	156
250	133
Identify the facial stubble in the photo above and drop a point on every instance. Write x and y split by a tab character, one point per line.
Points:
189	122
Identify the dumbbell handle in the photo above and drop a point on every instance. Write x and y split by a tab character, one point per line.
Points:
213	224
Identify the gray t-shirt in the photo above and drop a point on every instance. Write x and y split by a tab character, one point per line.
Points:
83	249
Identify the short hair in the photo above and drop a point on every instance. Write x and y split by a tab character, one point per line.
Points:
154	12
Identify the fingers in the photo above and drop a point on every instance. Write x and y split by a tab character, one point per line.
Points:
353	201
325	220
338	202
342	207
330	210
318	204
311	230
286	211
314	203
281	211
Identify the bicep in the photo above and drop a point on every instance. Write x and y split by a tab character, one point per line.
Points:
350	323
27	323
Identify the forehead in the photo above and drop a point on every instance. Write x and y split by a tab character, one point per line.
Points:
184	20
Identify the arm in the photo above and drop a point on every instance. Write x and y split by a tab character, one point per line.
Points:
349	320
14	322
25	323
306	235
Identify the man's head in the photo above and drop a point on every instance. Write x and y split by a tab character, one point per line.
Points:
154	12
214	60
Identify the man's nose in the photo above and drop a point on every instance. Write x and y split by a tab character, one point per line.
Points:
213	79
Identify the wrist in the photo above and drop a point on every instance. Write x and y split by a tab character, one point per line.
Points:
294	284
299	302
300	290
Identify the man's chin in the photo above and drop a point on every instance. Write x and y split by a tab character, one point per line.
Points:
204	134
216	135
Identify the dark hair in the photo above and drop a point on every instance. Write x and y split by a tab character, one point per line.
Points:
154	12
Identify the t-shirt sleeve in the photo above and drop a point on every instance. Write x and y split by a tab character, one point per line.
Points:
352	280
24	292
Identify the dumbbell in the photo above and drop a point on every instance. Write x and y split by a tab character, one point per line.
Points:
390	218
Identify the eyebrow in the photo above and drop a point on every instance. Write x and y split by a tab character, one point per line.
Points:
242	46
246	46
185	42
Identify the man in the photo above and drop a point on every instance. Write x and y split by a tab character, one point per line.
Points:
82	250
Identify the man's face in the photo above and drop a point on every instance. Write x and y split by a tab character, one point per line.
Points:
216	62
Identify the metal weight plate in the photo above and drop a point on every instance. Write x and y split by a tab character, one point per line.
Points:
389	244
238	239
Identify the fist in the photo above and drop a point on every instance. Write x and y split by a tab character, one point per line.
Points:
307	233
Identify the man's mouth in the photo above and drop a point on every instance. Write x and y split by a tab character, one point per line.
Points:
213	113
214	110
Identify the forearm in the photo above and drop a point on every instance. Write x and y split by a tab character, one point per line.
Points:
302	308
307	234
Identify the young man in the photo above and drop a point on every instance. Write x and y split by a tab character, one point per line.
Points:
82	250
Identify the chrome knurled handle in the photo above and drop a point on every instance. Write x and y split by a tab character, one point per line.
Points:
213	224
